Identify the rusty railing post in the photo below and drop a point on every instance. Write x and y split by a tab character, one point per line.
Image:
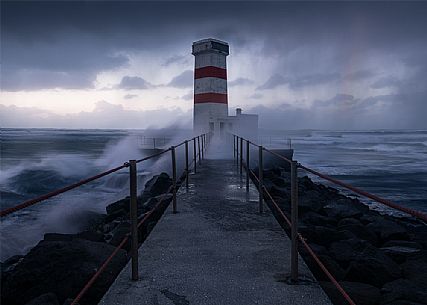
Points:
260	179
173	178
294	222
194	155
133	218
247	165
203	147
234	147
198	148
237	150
241	157
187	172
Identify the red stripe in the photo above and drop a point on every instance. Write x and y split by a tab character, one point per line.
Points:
210	71
219	98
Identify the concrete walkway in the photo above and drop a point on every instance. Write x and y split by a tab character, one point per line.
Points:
217	250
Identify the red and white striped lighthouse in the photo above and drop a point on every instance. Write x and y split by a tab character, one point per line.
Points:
210	85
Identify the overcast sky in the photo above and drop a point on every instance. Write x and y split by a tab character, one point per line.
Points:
326	65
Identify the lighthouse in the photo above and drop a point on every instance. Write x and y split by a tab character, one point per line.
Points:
210	92
210	84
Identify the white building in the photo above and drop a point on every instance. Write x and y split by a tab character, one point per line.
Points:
210	93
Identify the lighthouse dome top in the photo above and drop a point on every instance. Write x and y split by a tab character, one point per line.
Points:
210	45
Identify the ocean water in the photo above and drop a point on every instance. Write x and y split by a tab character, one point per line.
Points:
37	161
391	164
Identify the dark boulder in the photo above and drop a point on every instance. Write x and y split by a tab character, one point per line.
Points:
309	202
118	206
157	185
344	208
373	267
360	293
88	235
388	229
398	253
415	270
361	232
91	235
62	268
119	233
402	243
348	221
313	218
402	289
58	237
333	267
9	264
116	215
324	235
346	250
44	299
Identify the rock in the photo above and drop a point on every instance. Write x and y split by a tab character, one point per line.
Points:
402	243
346	250
116	214
388	229
348	221
344	208
62	268
119	233
90	235
309	202
361	232
58	237
11	263
122	204
399	253
402	289
157	185
318	249
367	218
44	299
317	219
333	267
323	235
404	302
360	293
373	267
415	270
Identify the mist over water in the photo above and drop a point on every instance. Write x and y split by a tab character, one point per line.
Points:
391	164
37	161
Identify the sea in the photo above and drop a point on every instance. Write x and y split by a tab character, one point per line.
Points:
389	163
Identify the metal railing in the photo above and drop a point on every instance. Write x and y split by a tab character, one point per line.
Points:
293	222
200	141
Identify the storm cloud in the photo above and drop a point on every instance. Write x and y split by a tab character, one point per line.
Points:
317	64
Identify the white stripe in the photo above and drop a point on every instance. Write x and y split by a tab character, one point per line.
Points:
210	59
210	85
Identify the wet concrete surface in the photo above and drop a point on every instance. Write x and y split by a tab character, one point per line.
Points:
216	250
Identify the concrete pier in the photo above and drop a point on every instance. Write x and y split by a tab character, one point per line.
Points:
217	250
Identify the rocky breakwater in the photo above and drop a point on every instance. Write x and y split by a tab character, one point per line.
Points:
58	267
377	258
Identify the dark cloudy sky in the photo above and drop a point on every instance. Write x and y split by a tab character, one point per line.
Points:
328	65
